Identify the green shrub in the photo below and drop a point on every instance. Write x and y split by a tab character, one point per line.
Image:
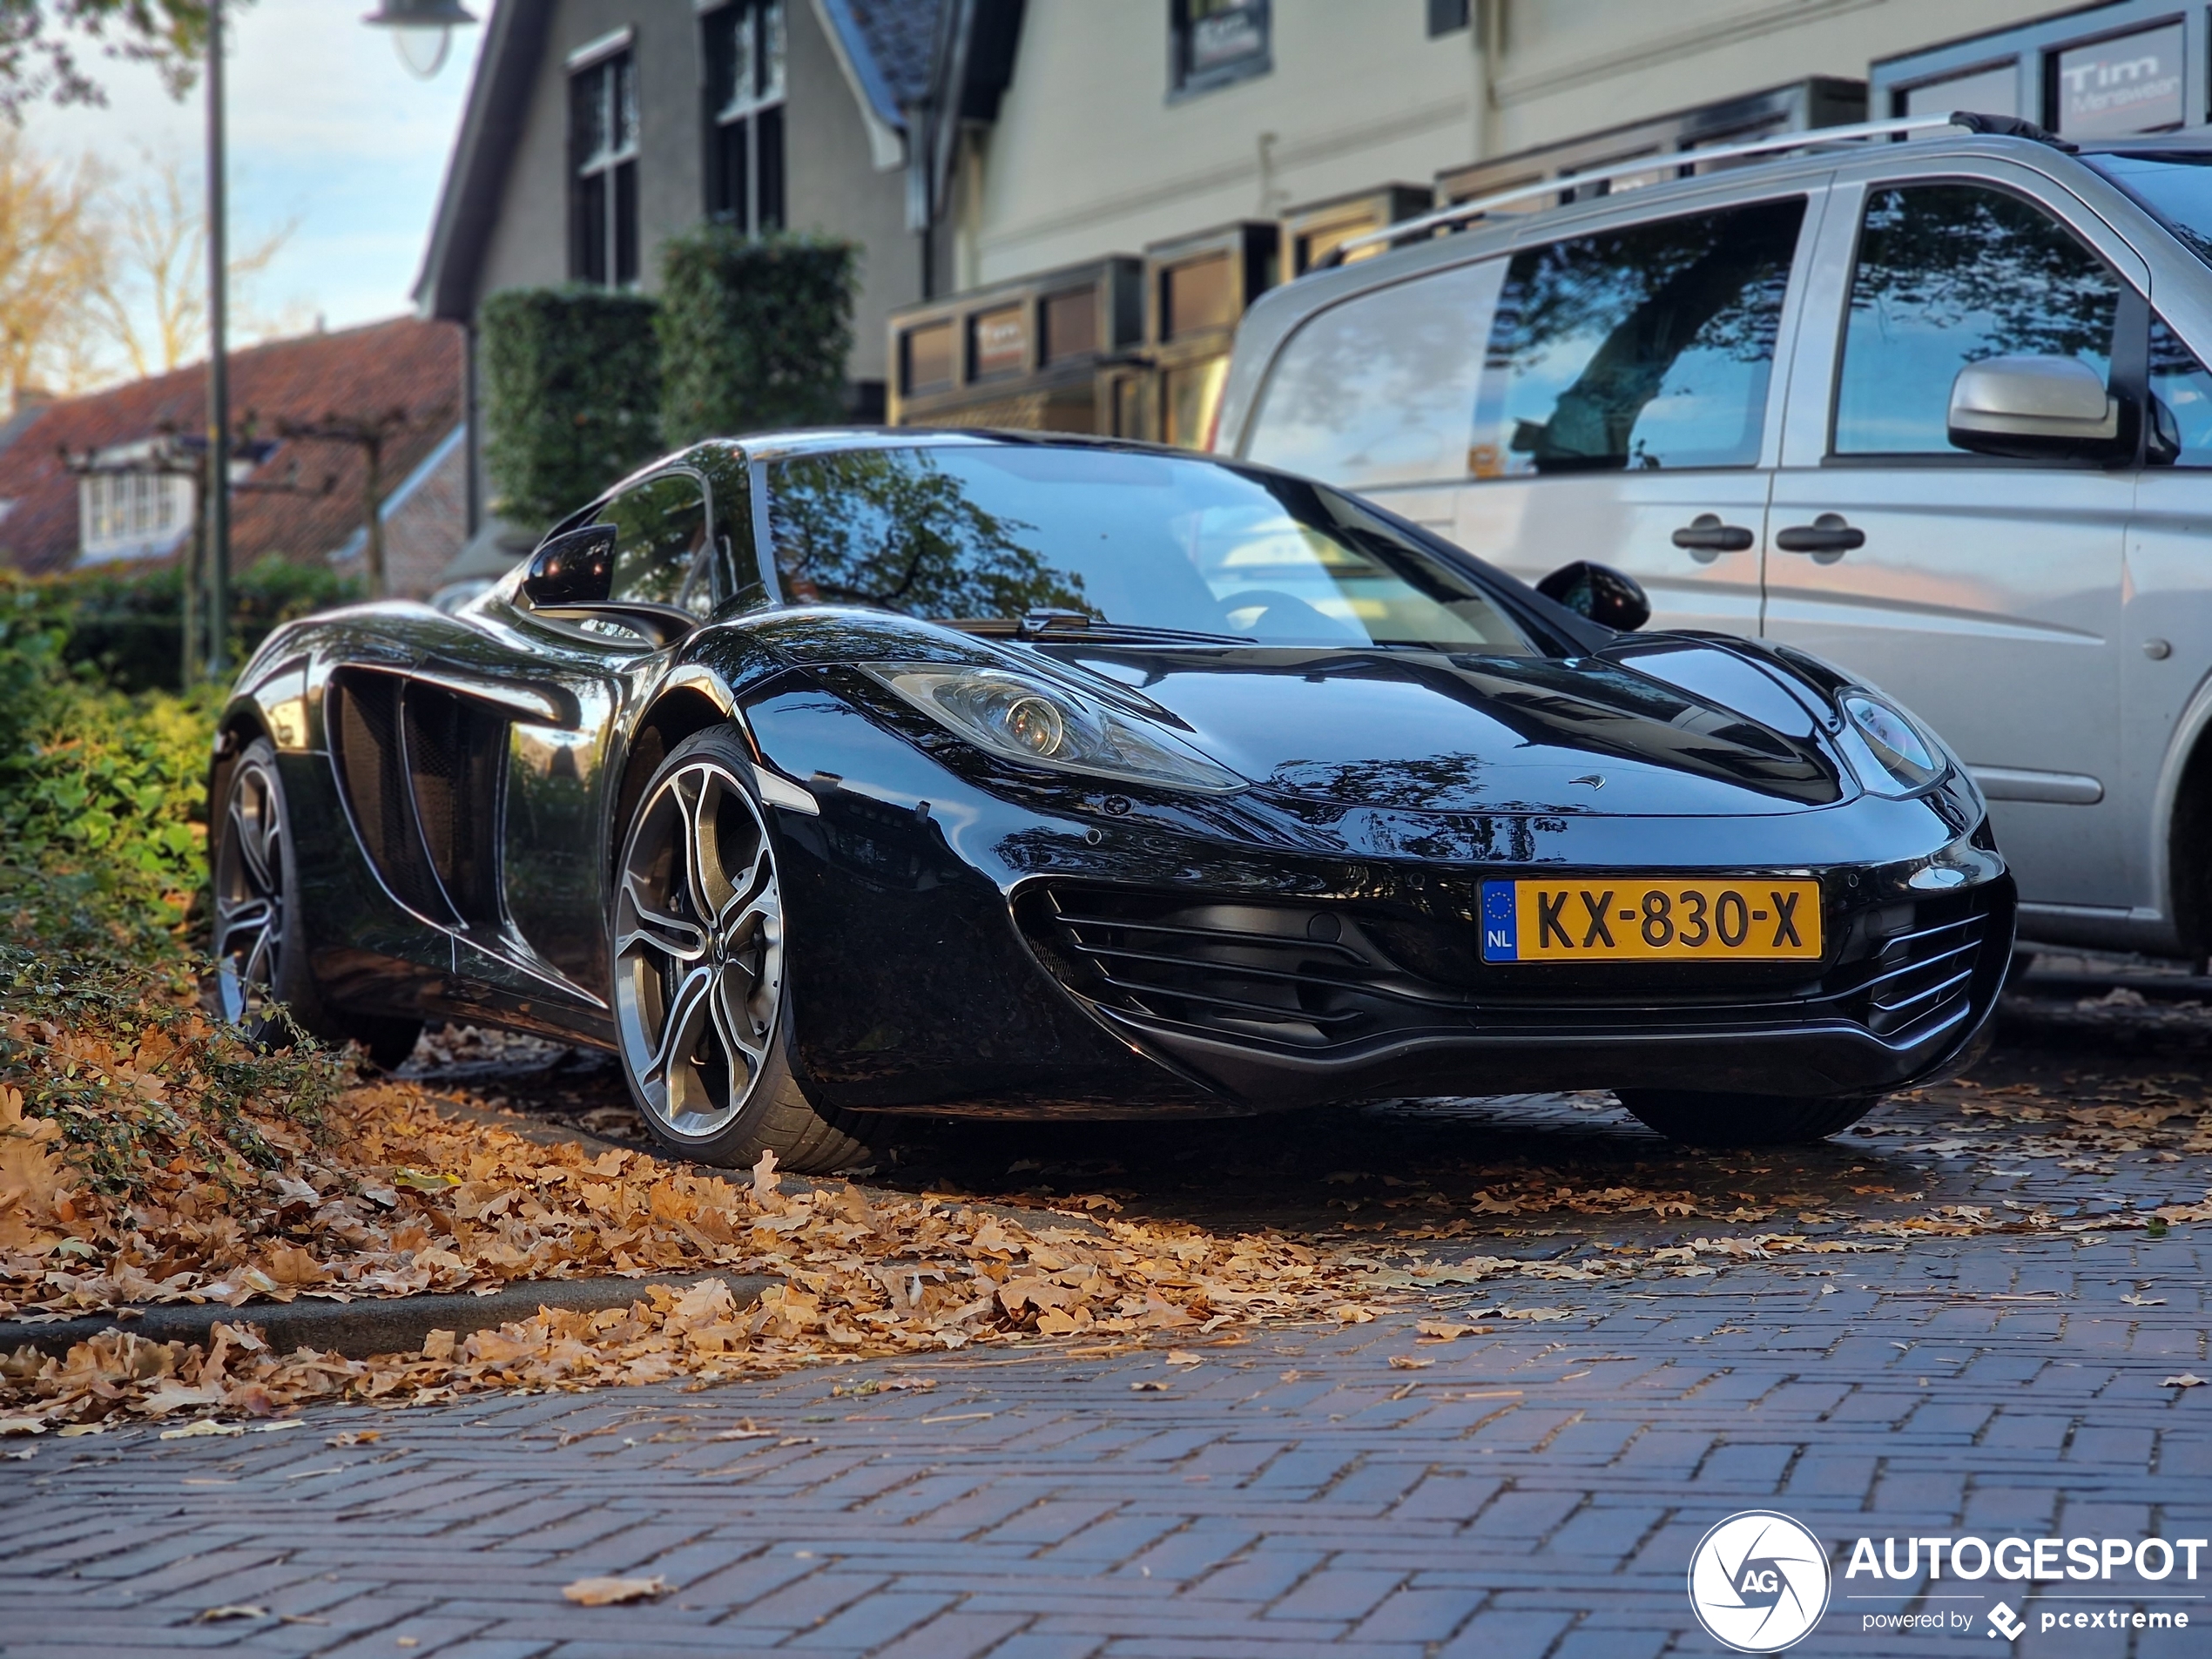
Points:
126	623
754	333
100	790
571	397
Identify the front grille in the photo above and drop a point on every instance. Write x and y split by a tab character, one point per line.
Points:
1329	975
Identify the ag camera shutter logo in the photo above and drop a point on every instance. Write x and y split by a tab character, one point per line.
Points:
1758	1581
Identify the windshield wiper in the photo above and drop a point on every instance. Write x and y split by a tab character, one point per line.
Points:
1075	624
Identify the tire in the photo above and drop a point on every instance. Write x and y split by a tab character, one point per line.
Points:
260	946
1720	1120
260	950
695	943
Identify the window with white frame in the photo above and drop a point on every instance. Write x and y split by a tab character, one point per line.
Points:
128	507
744	114
602	148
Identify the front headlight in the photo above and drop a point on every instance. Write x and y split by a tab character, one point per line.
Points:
1042	723
1892	753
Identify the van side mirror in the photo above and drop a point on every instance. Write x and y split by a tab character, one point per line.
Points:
2028	407
576	568
1601	593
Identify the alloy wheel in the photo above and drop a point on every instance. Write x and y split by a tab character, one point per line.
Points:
249	896
698	950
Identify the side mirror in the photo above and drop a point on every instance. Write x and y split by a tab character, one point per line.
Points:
576	568
2034	406
1599	592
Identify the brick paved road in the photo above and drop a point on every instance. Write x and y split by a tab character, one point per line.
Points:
1532	1492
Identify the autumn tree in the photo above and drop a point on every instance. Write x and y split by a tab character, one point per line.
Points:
44	44
53	254
150	294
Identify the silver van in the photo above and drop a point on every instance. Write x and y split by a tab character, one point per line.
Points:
1929	402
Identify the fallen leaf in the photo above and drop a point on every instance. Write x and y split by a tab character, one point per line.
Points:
202	1429
2133	1301
1150	1385
1353	1313
2186	1379
1537	1314
22	1426
1406	1362
356	1437
612	1592
241	1610
1183	1356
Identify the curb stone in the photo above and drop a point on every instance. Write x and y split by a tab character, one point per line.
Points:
368	1325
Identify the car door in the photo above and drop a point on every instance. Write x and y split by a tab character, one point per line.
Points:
1984	593
1625	411
2166	651
555	754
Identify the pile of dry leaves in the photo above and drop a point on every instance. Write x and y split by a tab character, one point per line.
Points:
384	1193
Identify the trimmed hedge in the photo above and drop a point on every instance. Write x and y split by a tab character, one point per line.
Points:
754	332
572	390
126	624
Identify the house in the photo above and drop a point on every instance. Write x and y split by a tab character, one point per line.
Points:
108	478
595	129
1063	207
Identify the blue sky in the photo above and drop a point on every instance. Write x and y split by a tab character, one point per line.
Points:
326	128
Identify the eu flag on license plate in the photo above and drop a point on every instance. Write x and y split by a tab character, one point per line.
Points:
1501	923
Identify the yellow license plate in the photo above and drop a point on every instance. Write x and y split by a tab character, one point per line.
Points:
1625	919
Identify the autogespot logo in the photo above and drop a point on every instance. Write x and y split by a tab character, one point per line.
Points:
1759	1582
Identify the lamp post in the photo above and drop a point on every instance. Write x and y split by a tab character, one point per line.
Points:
421	30
218	493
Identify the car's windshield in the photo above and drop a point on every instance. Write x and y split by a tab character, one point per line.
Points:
2177	186
975	532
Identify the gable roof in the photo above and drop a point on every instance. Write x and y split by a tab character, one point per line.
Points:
355	373
887	51
491	126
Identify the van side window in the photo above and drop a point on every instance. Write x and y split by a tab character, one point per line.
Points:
1648	347
1380	389
1948	275
2180	394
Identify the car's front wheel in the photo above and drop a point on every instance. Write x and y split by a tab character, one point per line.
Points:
702	1004
1698	1119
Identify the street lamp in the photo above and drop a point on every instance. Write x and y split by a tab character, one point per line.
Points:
421	30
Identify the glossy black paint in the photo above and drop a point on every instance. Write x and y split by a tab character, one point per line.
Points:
962	931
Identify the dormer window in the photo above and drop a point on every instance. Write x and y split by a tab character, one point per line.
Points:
744	114
133	503
603	149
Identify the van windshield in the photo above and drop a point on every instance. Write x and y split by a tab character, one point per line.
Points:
979	533
2177	186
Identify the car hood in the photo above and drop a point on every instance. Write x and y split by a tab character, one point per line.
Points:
1428	732
1665	726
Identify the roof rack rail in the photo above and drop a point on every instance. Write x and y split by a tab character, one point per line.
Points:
1460	211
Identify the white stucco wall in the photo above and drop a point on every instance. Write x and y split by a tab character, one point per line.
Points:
1089	155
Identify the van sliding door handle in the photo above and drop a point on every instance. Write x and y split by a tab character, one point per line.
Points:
1706	534
1827	537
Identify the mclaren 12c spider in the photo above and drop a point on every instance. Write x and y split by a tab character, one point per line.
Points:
837	774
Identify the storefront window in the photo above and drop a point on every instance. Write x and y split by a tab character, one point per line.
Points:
2113	88
1214	42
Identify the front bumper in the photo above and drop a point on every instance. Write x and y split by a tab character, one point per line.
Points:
1294	1004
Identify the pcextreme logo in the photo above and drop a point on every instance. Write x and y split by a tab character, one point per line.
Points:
1758	1581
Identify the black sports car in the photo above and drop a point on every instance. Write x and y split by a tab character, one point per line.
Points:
842	773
